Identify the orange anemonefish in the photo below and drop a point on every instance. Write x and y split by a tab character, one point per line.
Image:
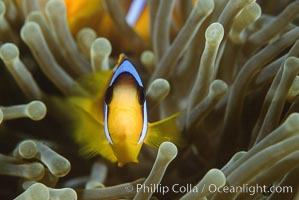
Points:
118	130
125	113
94	14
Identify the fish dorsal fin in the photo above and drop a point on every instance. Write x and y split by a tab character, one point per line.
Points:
164	130
121	58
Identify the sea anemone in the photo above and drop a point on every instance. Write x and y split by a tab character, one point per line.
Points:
228	67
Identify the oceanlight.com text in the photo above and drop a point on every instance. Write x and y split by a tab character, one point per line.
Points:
250	189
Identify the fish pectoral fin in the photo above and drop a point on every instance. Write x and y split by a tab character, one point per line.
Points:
81	102
164	130
89	134
89	105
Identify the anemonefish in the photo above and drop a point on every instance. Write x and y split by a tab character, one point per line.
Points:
125	113
113	122
93	14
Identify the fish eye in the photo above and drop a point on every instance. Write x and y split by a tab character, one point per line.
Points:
141	95
108	95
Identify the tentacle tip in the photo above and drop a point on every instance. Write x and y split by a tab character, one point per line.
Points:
27	149
214	33
218	87
102	46
217	176
55	6
169	150
36	110
9	51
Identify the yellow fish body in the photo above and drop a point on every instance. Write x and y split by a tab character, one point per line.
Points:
125	113
118	130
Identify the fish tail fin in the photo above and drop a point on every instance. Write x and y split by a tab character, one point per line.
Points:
164	130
